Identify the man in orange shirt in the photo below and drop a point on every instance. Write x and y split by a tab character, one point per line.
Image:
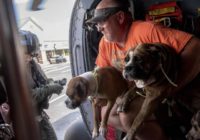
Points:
120	33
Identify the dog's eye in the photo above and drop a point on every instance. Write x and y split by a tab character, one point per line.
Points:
126	59
138	59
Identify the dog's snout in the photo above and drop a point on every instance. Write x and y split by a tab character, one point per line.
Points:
67	102
128	68
71	104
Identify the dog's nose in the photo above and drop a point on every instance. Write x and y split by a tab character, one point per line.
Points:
66	102
128	68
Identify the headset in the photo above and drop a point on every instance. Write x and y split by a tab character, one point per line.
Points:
31	41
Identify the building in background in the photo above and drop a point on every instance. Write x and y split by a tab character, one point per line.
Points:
54	48
49	48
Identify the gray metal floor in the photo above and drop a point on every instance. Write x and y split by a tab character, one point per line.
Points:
71	127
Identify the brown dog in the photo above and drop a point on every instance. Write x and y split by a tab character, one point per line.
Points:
153	68
104	83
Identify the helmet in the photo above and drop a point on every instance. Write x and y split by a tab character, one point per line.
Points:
30	40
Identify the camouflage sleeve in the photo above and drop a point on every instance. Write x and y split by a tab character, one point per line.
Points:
40	94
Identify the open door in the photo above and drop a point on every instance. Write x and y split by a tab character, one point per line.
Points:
12	71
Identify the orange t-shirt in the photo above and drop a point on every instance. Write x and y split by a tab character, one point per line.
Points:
110	54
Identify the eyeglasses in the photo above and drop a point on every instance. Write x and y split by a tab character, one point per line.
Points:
98	27
99	24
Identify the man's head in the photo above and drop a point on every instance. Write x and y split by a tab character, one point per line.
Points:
31	43
110	17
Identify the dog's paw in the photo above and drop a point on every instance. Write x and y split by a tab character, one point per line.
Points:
129	137
120	108
95	134
103	131
123	107
125	138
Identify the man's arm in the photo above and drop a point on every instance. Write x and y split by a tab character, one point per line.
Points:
39	94
190	63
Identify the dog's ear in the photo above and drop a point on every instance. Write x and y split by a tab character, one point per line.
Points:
82	88
157	51
153	50
81	91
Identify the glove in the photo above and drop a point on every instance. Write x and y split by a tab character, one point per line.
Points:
55	88
50	81
61	82
6	131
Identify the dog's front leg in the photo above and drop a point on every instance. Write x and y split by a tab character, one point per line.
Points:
147	108
126	100
95	132
103	126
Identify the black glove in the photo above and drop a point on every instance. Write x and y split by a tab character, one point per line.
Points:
61	82
55	88
50	81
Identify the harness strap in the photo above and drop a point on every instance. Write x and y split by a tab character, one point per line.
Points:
141	94
95	76
170	81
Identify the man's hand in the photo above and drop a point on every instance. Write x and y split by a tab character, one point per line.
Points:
55	88
61	82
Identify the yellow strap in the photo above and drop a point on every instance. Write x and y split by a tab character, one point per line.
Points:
161	19
162	11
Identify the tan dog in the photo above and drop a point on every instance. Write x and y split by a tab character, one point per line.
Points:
105	83
153	68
